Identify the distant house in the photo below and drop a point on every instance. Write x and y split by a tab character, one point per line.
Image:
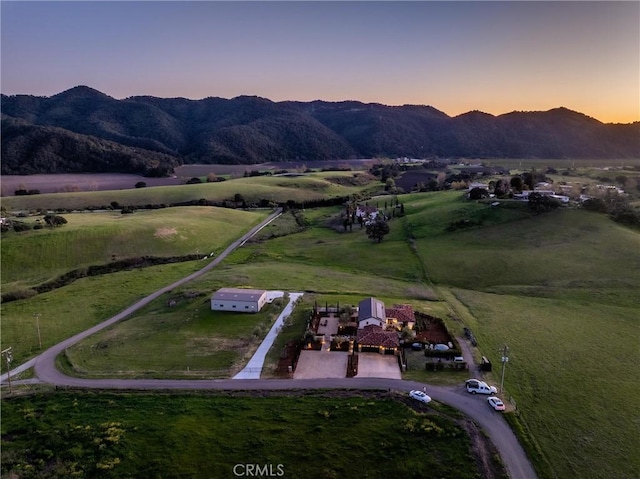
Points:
401	315
238	300
371	312
373	338
367	213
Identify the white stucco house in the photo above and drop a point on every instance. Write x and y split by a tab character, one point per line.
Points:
238	300
371	312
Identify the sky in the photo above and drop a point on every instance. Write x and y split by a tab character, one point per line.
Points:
456	56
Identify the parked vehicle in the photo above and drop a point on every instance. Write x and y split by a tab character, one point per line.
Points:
476	386
496	403
420	396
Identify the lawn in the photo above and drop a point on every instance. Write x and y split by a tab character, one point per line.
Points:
311	435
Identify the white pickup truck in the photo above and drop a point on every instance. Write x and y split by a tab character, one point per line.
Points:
476	386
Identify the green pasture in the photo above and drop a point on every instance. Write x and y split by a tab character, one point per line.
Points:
34	256
74	308
566	253
313	435
572	373
273	188
559	288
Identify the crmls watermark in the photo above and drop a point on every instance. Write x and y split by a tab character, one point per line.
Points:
258	470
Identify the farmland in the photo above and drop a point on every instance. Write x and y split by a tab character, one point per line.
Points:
559	288
272	188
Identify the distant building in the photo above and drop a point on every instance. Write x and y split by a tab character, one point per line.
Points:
238	300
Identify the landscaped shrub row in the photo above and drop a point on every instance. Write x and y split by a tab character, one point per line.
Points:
113	267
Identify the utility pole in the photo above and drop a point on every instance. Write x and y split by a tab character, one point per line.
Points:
37	316
505	360
8	356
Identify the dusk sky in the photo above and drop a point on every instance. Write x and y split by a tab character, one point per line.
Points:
496	57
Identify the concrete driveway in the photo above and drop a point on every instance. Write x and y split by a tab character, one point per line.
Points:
374	365
321	364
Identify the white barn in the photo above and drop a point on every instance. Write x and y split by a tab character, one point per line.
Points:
238	300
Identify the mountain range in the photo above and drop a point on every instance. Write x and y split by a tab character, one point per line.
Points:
84	130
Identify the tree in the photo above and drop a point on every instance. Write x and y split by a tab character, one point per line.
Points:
407	334
212	178
502	188
517	183
20	226
478	193
345	314
377	229
390	185
539	203
55	220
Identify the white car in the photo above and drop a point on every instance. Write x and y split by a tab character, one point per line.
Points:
420	396
496	403
476	386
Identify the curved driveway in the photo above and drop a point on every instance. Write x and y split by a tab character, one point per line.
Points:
512	454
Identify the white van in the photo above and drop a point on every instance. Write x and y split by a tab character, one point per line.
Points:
476	386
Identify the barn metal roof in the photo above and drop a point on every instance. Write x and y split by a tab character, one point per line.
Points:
238	294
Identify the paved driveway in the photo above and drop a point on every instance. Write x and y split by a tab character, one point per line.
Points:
374	365
321	364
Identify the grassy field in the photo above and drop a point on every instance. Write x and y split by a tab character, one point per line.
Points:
273	188
185	341
572	369
76	307
560	289
313	435
34	256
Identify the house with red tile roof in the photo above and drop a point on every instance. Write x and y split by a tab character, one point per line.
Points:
374	338
400	316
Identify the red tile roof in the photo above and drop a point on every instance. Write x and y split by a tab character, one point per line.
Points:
402	312
373	335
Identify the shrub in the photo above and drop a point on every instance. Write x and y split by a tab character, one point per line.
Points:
16	295
20	226
55	220
141	184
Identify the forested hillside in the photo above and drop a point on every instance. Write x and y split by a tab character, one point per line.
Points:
83	129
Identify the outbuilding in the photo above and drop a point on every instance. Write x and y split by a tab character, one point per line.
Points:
238	300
